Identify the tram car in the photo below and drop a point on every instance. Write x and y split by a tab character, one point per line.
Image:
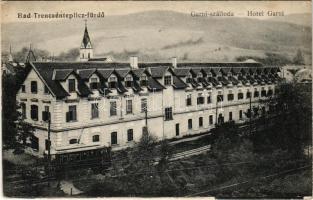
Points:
82	159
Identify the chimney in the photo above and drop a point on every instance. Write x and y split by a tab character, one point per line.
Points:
134	62
174	62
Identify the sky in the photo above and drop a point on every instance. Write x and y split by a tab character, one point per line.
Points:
10	9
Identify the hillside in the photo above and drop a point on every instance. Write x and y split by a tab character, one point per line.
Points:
300	19
159	35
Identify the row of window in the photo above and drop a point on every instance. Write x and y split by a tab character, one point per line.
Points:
230	97
96	138
34	112
34	88
71	115
94	84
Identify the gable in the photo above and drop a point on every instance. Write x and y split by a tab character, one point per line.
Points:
33	76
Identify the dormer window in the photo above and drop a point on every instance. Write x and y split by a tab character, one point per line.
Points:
143	80
188	79
71	85
167	80
112	82
199	77
94	83
128	81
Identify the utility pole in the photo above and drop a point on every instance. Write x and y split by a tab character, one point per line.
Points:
146	116
216	110
49	142
250	114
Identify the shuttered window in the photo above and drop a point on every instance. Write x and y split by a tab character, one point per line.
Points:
34	112
71	115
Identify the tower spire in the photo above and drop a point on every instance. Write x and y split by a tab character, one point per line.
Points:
86	50
10	55
31	56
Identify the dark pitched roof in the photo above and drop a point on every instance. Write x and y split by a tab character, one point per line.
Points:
158	72
156	64
46	69
105	73
215	71
83	89
154	84
85	73
178	83
138	72
236	70
214	81
225	70
206	70
196	70
61	74
120	87
122	72
181	72
223	80
233	80
243	79
194	83
136	86
252	70
216	65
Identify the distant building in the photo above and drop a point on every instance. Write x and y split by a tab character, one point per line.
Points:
96	104
11	66
290	72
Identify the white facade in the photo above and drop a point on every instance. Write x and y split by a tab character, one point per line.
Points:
85	127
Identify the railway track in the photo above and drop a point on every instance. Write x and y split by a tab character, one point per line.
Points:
187	153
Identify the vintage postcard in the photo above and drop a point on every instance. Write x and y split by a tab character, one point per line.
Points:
156	99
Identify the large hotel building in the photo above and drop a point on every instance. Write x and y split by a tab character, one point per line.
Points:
96	103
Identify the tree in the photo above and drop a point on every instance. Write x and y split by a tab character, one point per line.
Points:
225	136
166	151
298	59
15	130
21	55
292	125
70	55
